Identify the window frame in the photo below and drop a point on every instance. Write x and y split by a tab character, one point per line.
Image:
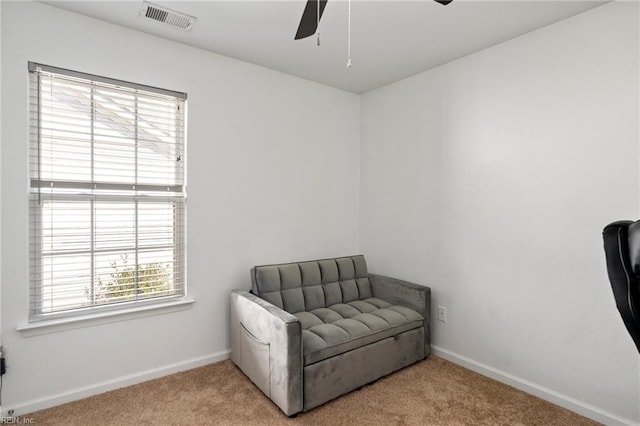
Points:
91	191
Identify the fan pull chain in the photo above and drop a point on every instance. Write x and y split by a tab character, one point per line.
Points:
318	21
349	38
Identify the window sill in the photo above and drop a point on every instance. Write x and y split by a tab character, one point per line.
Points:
63	324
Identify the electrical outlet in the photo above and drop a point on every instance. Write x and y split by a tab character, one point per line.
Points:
442	314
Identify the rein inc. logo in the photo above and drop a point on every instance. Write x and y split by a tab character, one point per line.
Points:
20	420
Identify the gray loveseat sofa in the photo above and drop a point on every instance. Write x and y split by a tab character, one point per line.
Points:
311	331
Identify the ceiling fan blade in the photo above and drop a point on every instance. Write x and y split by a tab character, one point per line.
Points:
444	2
309	21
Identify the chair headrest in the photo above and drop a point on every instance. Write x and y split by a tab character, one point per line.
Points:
633	237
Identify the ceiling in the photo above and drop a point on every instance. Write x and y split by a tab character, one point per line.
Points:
390	39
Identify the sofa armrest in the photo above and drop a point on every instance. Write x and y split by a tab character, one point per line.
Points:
266	343
410	295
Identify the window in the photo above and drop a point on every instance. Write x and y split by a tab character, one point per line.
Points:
107	198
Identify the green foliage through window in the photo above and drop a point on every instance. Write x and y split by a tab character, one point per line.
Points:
125	283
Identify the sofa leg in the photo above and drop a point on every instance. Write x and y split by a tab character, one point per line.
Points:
293	416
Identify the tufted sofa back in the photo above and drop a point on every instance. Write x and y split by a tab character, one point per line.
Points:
304	286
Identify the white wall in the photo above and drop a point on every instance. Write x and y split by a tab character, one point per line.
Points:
266	183
490	180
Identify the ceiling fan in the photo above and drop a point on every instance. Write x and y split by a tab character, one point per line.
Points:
310	19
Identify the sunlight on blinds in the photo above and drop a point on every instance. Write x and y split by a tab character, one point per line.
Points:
107	192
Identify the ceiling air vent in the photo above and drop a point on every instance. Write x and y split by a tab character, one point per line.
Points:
167	16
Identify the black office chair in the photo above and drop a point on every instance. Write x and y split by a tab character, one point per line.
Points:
622	250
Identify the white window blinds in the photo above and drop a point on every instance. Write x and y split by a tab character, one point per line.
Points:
107	195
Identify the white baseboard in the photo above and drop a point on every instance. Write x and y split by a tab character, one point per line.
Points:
552	396
542	392
132	379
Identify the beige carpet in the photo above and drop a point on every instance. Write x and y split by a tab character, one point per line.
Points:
432	392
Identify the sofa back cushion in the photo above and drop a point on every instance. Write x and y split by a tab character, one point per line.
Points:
304	286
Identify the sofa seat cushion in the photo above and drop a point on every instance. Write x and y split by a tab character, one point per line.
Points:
331	331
